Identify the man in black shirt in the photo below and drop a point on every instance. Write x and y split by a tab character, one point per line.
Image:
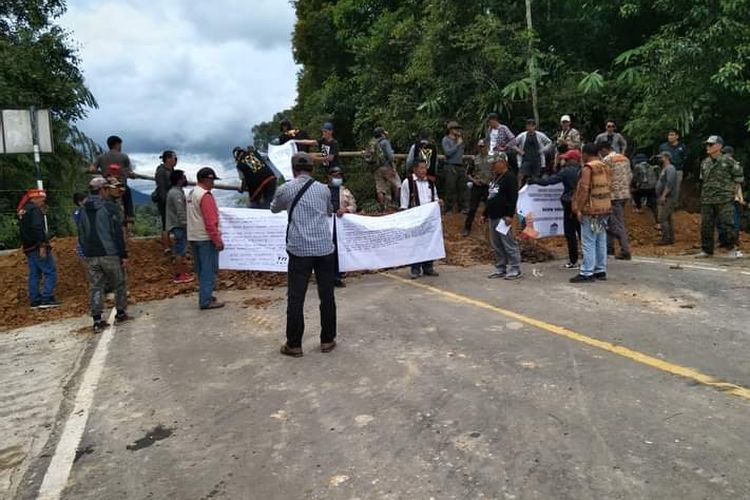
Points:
499	210
329	147
288	133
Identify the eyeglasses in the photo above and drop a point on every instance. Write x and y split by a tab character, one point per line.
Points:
610	126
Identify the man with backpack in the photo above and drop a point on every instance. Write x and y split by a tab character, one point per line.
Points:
418	189
643	184
256	177
425	149
379	155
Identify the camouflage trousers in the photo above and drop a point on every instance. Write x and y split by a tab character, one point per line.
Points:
711	215
106	273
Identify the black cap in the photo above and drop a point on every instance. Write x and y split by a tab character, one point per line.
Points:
379	131
303	161
207	173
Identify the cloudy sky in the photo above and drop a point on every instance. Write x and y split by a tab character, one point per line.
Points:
193	76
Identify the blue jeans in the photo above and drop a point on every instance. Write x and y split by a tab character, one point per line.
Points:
41	266
206	265
594	246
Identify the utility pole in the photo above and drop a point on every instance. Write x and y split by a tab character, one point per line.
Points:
532	61
37	156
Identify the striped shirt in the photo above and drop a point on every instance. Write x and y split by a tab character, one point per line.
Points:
310	227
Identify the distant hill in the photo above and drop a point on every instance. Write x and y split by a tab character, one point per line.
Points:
140	198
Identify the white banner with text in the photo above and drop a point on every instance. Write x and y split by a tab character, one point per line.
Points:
255	240
541	210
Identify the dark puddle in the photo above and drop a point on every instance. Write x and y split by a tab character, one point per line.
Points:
156	434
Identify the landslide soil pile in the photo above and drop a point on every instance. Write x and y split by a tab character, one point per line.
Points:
149	277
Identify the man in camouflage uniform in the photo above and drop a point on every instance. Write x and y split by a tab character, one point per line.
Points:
720	179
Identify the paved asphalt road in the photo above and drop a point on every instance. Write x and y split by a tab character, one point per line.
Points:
464	389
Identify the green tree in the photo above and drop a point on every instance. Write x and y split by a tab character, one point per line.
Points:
39	67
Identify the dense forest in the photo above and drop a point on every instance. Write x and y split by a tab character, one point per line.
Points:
39	66
414	64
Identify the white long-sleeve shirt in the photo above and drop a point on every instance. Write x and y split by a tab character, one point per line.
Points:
424	193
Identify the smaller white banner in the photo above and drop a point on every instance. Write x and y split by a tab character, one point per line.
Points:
408	237
541	209
281	157
254	240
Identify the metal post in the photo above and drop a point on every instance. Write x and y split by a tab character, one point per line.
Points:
37	157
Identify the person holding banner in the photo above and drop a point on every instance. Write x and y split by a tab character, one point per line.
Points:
417	189
343	202
309	244
500	209
568	175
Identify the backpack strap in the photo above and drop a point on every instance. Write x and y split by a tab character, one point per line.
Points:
300	193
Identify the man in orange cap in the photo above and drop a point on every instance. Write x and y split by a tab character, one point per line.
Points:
37	249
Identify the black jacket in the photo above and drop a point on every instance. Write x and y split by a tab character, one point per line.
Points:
33	235
100	230
568	175
502	197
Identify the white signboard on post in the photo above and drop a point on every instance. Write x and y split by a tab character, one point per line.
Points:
17	132
254	240
368	243
541	209
281	157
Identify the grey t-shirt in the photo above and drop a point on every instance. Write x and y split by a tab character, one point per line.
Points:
667	180
104	160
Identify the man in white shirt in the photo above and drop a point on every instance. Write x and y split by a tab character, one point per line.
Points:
417	189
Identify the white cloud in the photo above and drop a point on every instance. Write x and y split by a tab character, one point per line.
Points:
190	76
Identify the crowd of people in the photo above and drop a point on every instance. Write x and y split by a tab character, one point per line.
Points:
598	180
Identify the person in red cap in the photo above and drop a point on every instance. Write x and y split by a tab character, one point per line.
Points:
568	175
37	249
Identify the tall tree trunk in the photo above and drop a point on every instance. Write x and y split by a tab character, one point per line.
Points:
532	61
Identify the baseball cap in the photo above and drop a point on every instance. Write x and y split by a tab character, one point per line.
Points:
327	126
453	124
206	173
379	131
302	161
727	150
715	139
571	154
98	183
564	118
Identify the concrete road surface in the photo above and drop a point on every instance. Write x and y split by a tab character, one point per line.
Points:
450	387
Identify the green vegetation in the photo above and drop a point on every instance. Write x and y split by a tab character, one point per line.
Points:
414	64
39	67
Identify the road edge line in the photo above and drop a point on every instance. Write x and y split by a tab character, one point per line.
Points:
59	468
625	352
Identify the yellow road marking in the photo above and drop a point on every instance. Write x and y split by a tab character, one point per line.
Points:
638	357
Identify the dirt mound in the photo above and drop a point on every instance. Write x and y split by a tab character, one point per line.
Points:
476	249
150	276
